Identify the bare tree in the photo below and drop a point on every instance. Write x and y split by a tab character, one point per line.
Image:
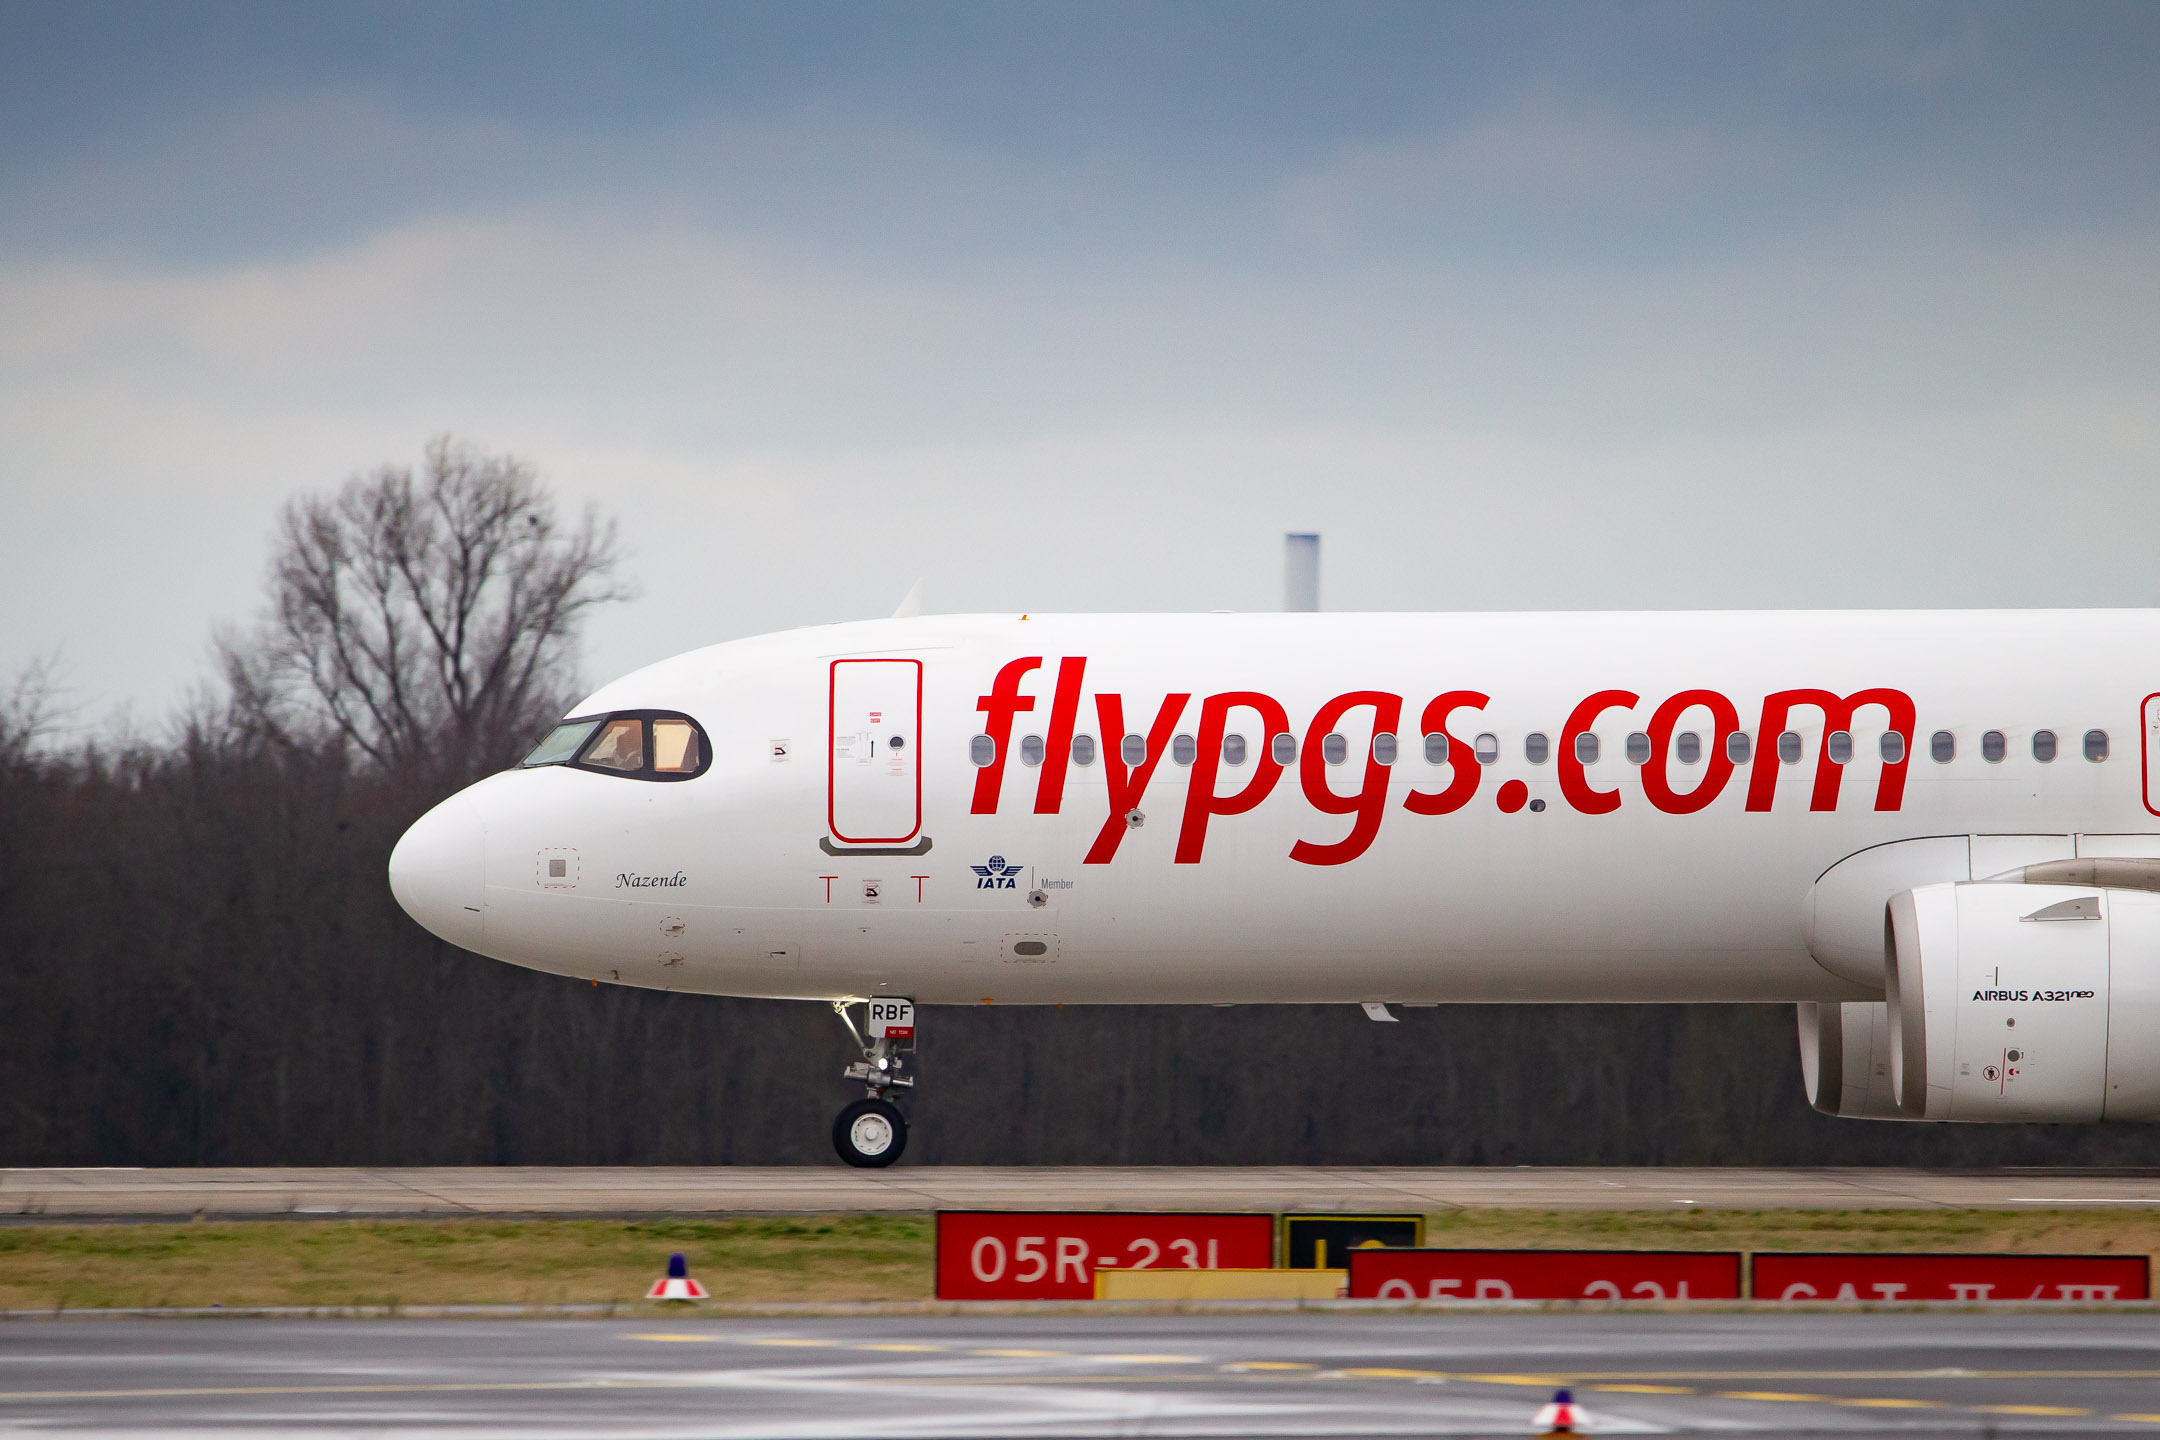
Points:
428	621
29	710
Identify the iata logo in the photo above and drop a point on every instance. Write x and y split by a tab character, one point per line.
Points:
997	875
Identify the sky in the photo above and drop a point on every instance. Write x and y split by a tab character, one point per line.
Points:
1081	307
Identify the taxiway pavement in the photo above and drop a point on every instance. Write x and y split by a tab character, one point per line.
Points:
150	1194
1078	1375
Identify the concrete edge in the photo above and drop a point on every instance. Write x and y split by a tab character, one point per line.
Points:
28	1217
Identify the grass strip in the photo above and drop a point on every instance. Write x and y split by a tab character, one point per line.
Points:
831	1257
460	1262
2033	1231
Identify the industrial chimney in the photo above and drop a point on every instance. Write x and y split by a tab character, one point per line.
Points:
1301	572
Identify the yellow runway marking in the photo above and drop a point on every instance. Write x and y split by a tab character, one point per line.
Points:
897	1347
1649	1389
806	1344
1300	1369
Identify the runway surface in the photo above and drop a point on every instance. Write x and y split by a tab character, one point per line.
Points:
1057	1375
147	1194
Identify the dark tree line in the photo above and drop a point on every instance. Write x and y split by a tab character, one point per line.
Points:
201	963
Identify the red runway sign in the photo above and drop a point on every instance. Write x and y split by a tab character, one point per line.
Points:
1543	1275
1053	1255
1952	1277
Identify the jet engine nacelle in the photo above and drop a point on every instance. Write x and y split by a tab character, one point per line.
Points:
2023	1001
1845	1060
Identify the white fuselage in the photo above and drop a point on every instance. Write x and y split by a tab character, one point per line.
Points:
814	859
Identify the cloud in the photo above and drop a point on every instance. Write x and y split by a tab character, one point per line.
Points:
1532	343
1864	418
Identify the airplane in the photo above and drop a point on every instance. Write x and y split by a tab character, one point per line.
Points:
1937	834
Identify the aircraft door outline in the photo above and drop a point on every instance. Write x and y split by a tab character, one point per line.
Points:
873	786
2149	751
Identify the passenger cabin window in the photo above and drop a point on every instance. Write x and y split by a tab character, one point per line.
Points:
2096	745
1384	748
1031	749
1133	749
1840	747
1586	749
1536	748
1942	746
1788	747
1283	748
1738	747
1334	749
1083	750
1891	747
1688	747
2044	746
1436	749
1183	750
641	745
1638	749
982	752
1992	748
1487	749
1233	749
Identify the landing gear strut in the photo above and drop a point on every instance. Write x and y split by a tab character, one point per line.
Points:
872	1132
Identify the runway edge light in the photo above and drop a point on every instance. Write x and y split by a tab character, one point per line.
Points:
1561	1417
676	1284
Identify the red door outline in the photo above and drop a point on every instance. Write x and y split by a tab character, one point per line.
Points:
832	702
2146	746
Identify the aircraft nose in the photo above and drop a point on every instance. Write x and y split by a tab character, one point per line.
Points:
438	870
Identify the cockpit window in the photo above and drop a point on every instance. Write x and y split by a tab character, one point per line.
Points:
675	747
620	745
562	743
636	744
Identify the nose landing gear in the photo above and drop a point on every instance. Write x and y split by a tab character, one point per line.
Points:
871	1133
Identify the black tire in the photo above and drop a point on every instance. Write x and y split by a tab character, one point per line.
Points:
859	1129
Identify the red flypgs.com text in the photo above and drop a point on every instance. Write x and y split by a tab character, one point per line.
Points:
1448	713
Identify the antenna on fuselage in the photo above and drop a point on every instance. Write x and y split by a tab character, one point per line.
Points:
911	605
1301	572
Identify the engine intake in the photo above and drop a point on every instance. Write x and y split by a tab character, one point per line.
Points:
2022	1001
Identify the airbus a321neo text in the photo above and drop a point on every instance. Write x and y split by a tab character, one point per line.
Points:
1936	833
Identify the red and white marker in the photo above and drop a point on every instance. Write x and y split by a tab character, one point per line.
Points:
676	1284
1562	1417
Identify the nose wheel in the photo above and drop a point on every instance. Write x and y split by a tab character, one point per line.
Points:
871	1133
